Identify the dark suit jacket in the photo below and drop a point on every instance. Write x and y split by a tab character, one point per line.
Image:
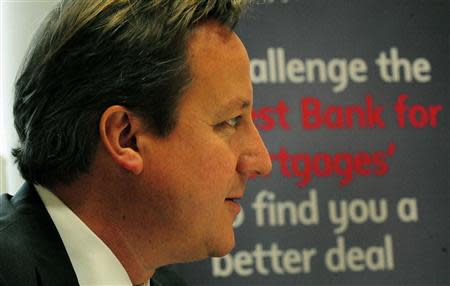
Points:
31	250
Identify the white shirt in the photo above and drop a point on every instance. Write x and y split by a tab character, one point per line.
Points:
94	263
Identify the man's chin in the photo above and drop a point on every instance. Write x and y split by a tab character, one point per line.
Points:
223	249
217	246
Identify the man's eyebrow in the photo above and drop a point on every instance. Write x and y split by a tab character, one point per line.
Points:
230	106
233	105
236	104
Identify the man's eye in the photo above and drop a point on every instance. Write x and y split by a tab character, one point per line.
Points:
233	122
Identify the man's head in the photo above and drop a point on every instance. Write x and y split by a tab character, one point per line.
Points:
154	108
89	55
182	188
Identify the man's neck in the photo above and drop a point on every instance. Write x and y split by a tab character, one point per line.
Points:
100	212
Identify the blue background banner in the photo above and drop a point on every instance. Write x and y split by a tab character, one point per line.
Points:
351	98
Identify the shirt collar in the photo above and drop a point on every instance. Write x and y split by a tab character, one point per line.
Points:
94	263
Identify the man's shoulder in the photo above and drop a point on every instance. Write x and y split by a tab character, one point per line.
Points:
15	255
165	276
22	212
30	247
15	219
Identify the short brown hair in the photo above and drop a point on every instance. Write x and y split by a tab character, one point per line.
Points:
91	54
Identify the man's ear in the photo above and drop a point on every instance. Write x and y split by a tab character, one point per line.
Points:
118	130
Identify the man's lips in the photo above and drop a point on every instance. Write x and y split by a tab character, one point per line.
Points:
234	198
233	204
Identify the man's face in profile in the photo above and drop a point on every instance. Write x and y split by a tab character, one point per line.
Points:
199	171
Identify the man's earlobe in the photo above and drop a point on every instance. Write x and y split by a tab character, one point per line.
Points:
118	128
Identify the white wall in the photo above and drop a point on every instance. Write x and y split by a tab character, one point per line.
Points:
19	19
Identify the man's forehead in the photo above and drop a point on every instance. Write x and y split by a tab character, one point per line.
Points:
220	69
214	51
210	37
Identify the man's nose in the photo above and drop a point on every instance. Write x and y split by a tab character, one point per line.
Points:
255	159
